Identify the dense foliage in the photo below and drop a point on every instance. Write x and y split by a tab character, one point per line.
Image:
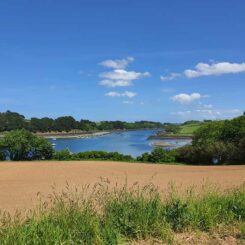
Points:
129	215
23	145
91	155
12	120
217	142
158	155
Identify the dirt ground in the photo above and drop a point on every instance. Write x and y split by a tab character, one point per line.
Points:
21	181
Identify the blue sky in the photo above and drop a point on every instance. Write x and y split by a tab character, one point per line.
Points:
162	60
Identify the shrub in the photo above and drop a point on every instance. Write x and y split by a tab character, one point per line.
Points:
62	155
91	155
213	153
241	150
2	156
23	145
145	157
158	155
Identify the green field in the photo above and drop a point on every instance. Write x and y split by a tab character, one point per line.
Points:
189	129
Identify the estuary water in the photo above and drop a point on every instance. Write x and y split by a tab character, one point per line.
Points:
132	143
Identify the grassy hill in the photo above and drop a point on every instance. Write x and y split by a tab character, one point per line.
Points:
189	129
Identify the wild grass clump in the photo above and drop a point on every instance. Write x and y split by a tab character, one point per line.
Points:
107	215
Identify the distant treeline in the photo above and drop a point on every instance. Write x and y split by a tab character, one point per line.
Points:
13	120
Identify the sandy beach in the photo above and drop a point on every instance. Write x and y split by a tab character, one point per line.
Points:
21	181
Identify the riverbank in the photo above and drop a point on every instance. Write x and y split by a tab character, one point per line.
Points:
72	135
173	136
82	134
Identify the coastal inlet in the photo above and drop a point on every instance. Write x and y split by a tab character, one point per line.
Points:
132	143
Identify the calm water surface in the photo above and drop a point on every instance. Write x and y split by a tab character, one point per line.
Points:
129	142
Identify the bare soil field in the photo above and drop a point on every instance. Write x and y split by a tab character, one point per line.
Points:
21	181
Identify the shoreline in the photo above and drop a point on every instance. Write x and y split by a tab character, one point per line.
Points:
165	136
65	135
82	134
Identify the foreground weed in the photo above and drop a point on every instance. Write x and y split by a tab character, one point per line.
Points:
119	215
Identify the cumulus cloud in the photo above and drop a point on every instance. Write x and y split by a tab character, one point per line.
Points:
186	98
171	76
124	94
203	69
119	76
117	83
123	75
118	63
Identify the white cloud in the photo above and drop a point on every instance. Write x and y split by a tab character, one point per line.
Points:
203	69
117	83
118	63
113	94
171	76
124	94
129	94
121	78
120	74
186	98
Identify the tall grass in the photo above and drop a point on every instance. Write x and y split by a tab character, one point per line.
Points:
106	215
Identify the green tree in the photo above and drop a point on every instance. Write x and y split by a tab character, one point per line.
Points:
23	145
66	123
11	120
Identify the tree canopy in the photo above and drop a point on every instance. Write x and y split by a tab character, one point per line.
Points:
21	144
12	120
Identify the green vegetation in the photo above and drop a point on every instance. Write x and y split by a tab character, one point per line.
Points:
12	121
158	155
217	142
126	214
187	128
91	155
23	145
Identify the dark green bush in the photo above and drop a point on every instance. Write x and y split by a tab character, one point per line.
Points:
62	155
2	156
91	155
212	153
158	155
23	145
